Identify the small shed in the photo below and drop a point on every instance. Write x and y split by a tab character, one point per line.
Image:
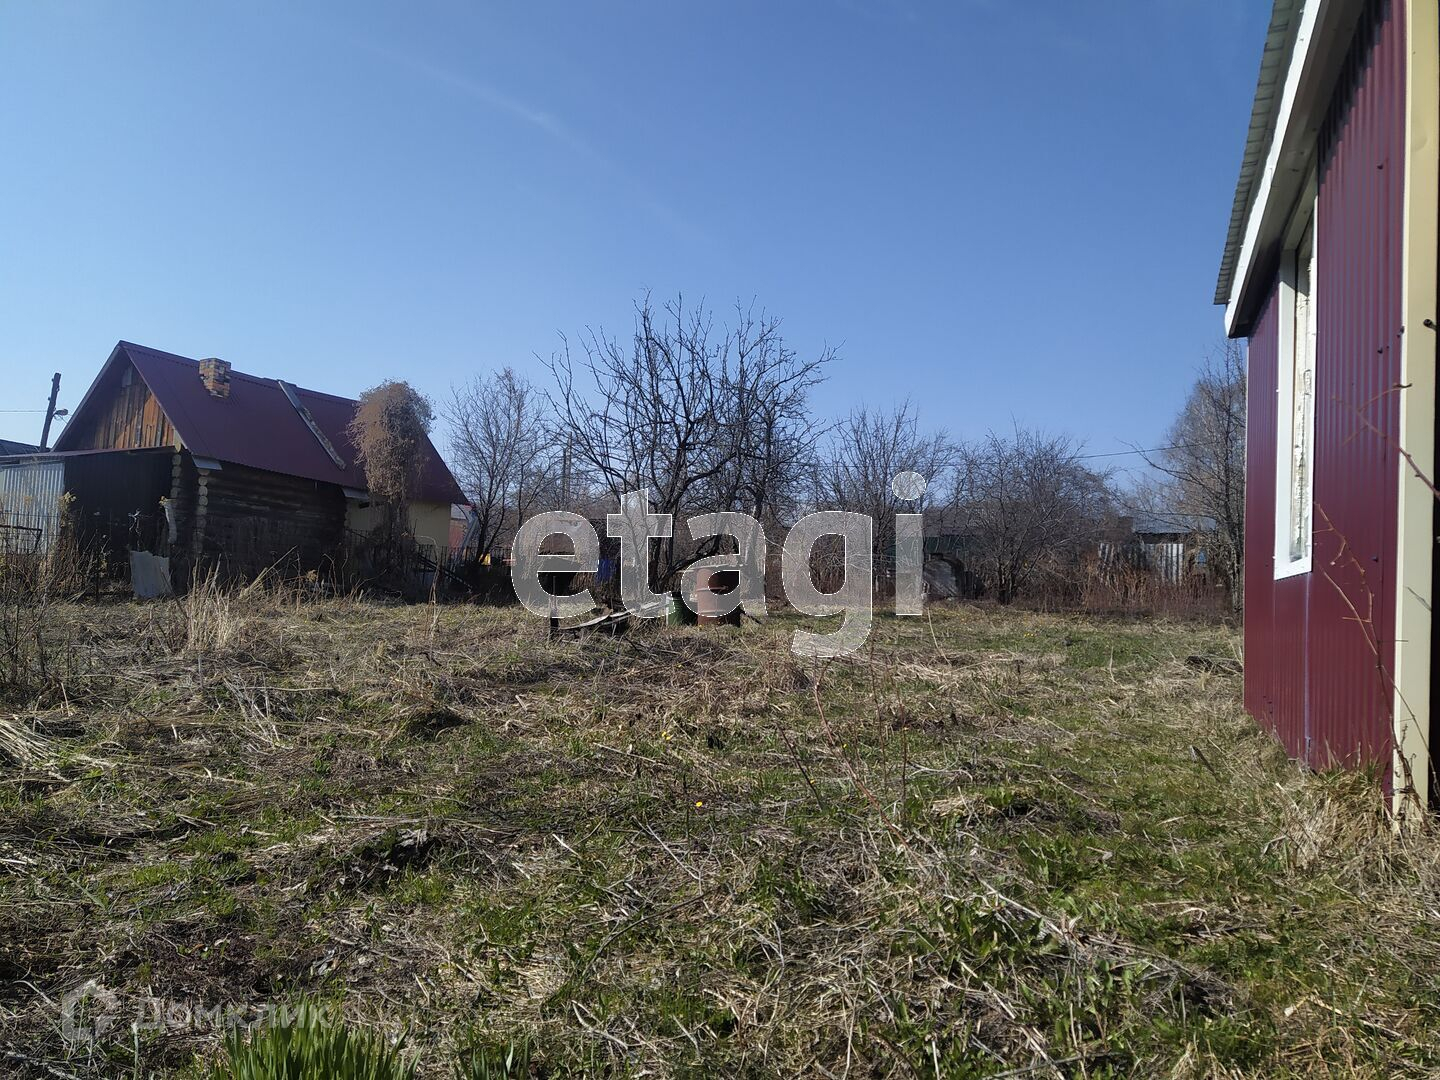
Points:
1169	546
950	557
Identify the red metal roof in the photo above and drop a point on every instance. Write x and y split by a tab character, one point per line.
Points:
256	425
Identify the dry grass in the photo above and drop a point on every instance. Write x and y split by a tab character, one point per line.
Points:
998	844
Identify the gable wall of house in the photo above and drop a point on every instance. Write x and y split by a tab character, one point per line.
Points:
125	416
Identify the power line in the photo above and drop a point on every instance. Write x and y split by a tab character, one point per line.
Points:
1127	453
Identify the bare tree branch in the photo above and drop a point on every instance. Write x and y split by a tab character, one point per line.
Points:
705	418
503	453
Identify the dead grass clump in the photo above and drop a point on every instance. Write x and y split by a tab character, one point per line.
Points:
1339	822
215	617
19	744
386	853
428	722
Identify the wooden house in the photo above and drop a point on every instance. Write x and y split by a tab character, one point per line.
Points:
213	467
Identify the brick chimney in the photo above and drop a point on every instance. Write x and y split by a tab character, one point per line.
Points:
215	374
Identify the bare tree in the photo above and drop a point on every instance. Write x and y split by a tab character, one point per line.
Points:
504	452
1204	460
390	431
865	454
705	418
768	432
1029	507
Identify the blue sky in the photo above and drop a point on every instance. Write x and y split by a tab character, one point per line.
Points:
997	209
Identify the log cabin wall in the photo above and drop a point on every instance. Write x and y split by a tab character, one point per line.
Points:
128	417
184	485
248	520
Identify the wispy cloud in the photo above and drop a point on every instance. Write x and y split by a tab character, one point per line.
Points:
551	125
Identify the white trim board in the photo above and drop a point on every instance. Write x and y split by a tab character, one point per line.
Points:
1321	43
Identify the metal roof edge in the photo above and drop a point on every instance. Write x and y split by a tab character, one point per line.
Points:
65	455
293	397
76	412
1324	37
1264	112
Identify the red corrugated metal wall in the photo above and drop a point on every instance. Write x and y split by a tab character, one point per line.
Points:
1266	661
1318	647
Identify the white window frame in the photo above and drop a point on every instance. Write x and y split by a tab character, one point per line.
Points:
1296	352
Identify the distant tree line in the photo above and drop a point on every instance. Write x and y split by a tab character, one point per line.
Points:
709	416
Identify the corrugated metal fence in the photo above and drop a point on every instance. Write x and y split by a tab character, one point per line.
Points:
30	506
1165	560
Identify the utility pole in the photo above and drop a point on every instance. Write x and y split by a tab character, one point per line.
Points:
50	412
565	474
